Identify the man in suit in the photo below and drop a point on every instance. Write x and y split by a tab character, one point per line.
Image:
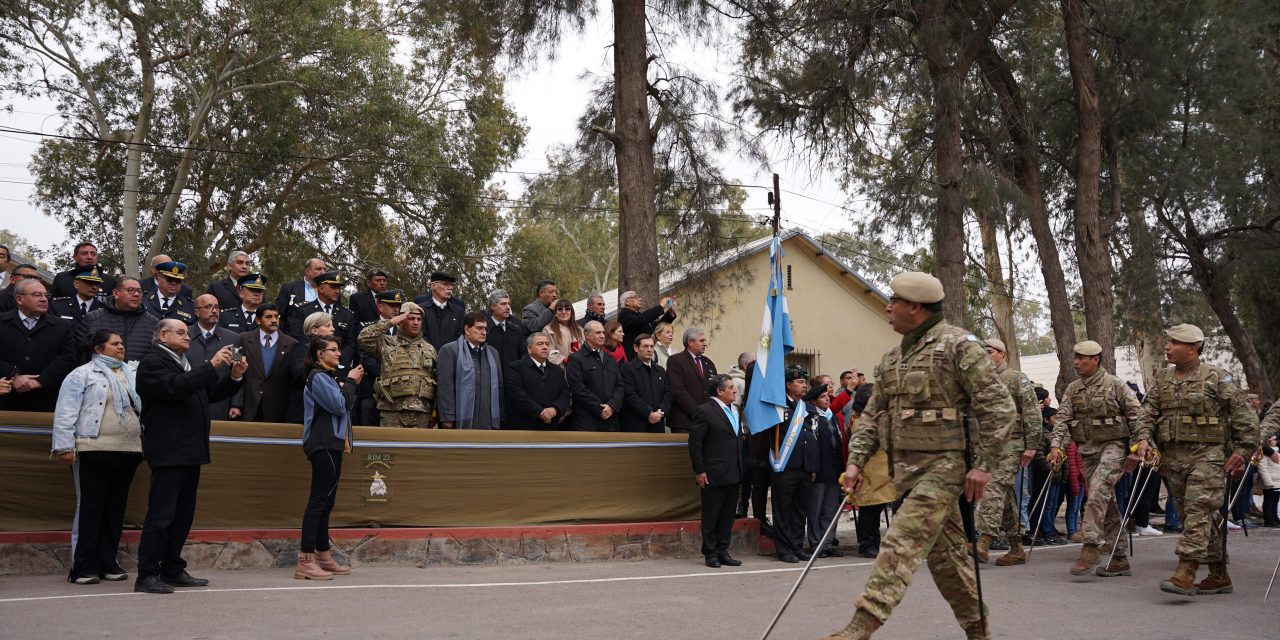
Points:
228	289
442	313
389	302
364	304
88	284
646	391
244	315
267	387
537	314
85	255
505	335
635	322
295	293
689	371
166	299
469	379
165	263
537	393
715	450
175	397
594	383
19	273
329	300
207	339
594	311
37	350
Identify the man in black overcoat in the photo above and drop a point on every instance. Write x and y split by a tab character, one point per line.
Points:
646	392
537	393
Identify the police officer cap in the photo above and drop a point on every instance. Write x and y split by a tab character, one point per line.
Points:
411	307
88	273
329	277
794	372
441	276
1088	348
997	344
815	392
917	286
1188	333
391	297
172	269
374	273
253	281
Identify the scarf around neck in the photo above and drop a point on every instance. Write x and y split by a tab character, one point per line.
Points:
912	337
120	387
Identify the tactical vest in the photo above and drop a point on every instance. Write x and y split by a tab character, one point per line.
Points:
1016	382
1187	413
1096	413
922	412
408	370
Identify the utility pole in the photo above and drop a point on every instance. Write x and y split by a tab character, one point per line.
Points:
776	200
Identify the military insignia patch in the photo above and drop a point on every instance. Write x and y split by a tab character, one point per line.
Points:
378	474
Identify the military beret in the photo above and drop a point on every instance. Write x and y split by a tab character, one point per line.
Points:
794	372
376	272
997	344
172	269
253	281
916	286
1188	333
391	296
1252	396
441	276
815	392
88	273
1088	348
329	277
411	307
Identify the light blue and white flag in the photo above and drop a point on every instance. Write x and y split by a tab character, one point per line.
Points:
766	403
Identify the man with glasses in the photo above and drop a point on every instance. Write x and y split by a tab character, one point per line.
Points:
161	265
37	350
84	255
20	273
125	315
635	322
207	339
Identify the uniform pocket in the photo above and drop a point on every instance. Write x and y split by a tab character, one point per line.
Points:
916	384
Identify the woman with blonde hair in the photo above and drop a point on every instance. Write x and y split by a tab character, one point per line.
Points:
663	335
316	325
565	334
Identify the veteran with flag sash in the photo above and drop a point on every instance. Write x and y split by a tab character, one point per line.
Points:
793	461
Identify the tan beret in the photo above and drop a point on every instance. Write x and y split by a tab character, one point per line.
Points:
411	307
916	286
1088	348
997	344
1188	333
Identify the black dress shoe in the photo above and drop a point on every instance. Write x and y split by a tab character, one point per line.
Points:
804	556
713	562
869	553
729	561
789	559
832	553
184	579
151	584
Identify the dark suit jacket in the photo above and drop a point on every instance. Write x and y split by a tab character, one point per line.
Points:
509	342
345	327
149	286
635	323
7	303
182	308
175	408
365	307
645	389
201	351
63	283
688	389
441	326
714	446
266	394
227	292
69	308
292	295
528	392
48	351
594	380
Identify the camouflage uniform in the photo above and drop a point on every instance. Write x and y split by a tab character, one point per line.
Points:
998	511
1195	418
917	413
406	388
1270	425
1099	412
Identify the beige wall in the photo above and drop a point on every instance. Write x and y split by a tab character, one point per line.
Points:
833	316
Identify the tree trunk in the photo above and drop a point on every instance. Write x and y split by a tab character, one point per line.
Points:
633	152
948	233
133	156
1001	300
1092	250
1139	278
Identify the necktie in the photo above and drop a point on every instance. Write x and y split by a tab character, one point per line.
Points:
697	362
165	305
85	306
208	337
30	322
249	316
266	342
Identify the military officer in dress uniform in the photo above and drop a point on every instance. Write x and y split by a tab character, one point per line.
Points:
167	300
243	317
329	300
1198	419
87	282
406	390
929	392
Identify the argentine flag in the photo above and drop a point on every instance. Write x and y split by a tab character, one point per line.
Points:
767	400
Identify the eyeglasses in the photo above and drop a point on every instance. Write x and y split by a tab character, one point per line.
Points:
132	290
179	332
207	306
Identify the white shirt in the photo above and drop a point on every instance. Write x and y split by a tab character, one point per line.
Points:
24	318
262	337
441	305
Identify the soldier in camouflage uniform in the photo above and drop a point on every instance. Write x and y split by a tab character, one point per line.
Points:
1201	423
1098	411
406	388
1270	425
925	390
998	511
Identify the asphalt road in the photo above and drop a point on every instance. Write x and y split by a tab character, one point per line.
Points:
650	600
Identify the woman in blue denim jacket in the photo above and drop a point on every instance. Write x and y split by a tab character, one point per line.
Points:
96	430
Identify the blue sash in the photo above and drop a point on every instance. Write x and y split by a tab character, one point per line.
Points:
789	442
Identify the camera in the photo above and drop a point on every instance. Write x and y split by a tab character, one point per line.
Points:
237	354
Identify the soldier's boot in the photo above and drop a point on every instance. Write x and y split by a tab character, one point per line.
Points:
324	559
1216	582
1016	555
1088	558
983	547
1183	581
860	628
307	568
1116	568
976	631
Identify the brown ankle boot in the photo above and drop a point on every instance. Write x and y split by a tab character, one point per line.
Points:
975	631
324	559
307	568
1016	553
1117	567
1088	558
983	547
1216	582
1183	580
860	628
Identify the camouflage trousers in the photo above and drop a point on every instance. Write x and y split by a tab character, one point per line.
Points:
927	526
998	511
1198	486
407	419
1101	519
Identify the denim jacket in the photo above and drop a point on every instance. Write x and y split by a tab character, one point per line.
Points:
81	403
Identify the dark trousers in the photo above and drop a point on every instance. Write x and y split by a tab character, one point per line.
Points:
1240	509
717	519
868	526
760	480
824	504
102	484
368	414
790	502
171	507
1150	495
1270	500
326	468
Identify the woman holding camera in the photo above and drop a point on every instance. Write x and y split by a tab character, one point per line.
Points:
326	435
